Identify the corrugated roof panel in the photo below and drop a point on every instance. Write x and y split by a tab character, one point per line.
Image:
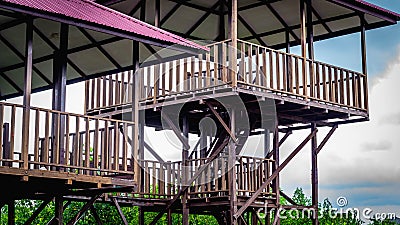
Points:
89	11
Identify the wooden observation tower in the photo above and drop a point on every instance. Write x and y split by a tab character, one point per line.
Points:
239	82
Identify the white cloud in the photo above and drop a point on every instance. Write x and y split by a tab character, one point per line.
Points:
358	154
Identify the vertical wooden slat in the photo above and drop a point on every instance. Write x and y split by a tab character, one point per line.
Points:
125	148
96	145
359	89
178	75
45	152
36	142
104	91
297	75
324	89
147	177
148	87
284	73
348	96
223	176
264	68
304	75
185	74
317	80
163	74
67	139
312	79
242	69
331	95
208	70
123	91
156	81
271	70
116	146
171	76
200	74
110	90
223	63
87	97
93	93
277	69
215	65
168	180
249	74
192	73
98	93
104	151
87	144
154	183
75	151
365	88
341	87
336	85
257	65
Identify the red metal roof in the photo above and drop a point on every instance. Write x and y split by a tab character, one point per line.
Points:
86	10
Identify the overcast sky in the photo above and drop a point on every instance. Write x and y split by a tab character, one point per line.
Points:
361	161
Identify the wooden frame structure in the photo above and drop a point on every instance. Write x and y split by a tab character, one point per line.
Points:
240	83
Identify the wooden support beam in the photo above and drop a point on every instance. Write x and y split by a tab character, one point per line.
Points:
222	122
314	175
119	210
53	220
200	20
289	199
37	211
181	138
27	91
310	30
58	210
136	76
185	170
275	173
83	210
276	182
326	138
157	13
11	212
234	39
364	60
95	215
232	170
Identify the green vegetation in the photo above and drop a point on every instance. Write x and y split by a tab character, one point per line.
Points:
109	215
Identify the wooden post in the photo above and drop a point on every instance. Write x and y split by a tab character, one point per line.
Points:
310	31
221	21
185	164
275	182
135	109
157	14
233	37
232	171
288	64
364	60
27	91
314	174
11	212
59	94
303	45
58	210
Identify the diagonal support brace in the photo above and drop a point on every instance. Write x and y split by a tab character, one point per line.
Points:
274	174
221	121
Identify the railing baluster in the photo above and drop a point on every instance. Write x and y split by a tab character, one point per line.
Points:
318	80
216	58
98	95
271	70
111	90
87	144
331	95
104	90
264	69
208	70
284	73
116	146
277	69
163	74
170	77
200	73
36	140
223	63
297	75
348	102
123	91
257	65
192	73
125	148
250	64
324	89
336	85
185	75
67	139
365	88
341	87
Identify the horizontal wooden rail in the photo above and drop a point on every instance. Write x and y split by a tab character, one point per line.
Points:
67	142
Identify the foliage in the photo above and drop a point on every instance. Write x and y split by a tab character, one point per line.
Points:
109	215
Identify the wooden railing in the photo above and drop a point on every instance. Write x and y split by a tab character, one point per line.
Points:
285	73
258	68
60	141
163	180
